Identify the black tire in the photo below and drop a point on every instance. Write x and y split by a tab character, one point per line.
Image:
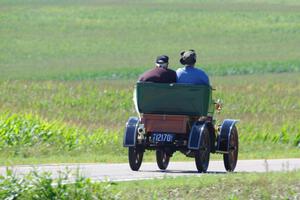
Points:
203	154
231	158
135	157
162	159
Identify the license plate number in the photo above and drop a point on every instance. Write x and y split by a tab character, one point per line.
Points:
162	137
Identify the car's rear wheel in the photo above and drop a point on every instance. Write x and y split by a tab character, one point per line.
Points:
231	158
162	159
135	156
203	154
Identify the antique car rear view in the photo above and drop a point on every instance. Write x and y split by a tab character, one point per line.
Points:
179	117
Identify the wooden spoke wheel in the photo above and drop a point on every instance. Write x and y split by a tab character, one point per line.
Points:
162	159
231	158
202	155
135	156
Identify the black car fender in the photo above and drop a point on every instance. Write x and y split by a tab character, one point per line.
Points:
130	134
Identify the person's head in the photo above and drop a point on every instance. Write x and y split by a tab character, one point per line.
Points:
162	61
188	57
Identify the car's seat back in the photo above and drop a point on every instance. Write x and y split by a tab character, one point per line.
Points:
174	99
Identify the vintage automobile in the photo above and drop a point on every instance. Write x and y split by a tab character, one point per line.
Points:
179	117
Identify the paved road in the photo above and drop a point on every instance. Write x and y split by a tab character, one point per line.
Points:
122	172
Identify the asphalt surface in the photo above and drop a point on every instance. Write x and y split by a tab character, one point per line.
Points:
122	172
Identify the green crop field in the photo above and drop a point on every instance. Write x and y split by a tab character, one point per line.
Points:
84	120
68	68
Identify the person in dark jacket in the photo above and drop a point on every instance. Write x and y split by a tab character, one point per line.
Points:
161	73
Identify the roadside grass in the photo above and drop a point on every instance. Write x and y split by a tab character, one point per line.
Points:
36	185
79	40
26	139
284	185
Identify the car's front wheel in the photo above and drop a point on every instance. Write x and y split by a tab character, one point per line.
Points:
231	158
202	155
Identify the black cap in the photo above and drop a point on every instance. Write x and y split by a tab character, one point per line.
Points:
162	59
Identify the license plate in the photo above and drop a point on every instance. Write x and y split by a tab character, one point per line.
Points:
162	137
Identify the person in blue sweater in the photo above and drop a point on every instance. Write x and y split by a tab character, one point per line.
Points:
189	73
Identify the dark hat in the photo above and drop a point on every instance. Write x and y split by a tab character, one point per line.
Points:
162	59
188	57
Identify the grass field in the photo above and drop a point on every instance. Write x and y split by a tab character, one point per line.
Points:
68	69
71	40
